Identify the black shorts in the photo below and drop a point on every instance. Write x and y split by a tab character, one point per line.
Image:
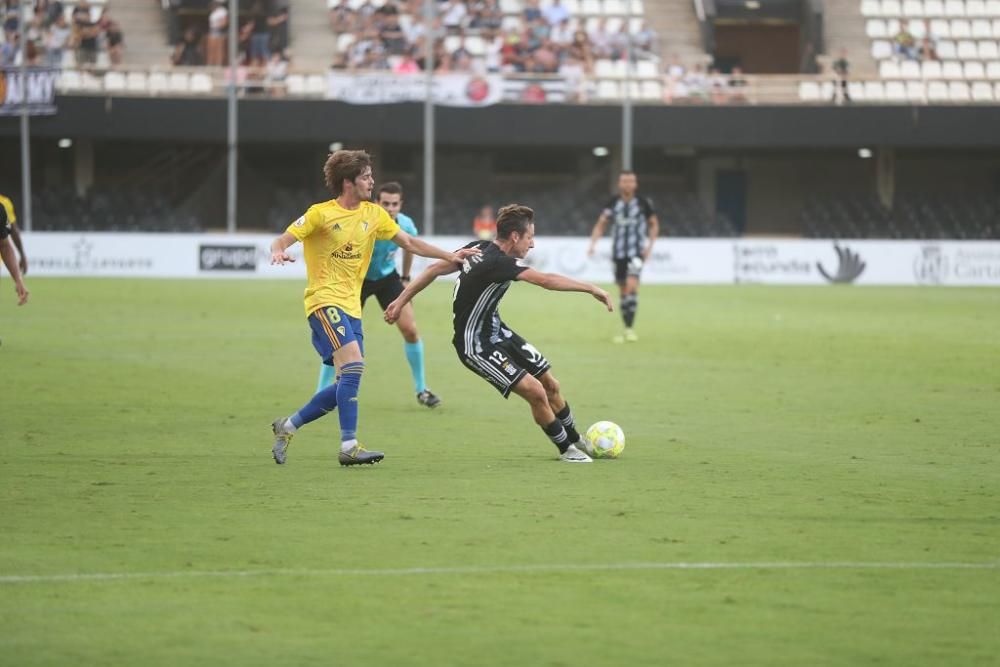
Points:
505	362
384	289
624	268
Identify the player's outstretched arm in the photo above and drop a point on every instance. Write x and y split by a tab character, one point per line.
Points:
652	231
15	236
436	269
560	283
602	224
425	249
10	261
279	246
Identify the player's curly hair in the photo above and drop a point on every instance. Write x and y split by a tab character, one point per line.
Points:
344	165
513	218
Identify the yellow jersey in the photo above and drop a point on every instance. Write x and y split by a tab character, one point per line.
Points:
337	244
7	218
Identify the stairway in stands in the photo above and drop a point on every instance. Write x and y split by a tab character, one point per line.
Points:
845	29
677	25
313	43
145	27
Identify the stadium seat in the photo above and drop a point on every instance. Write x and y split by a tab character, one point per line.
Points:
988	50
572	6
975	8
179	82
940	29
136	82
891	8
158	83
913	8
967	50
946	50
958	91
931	69
952	69
996	28
809	91
909	69
613	24
604	68
892	27
982	29
874	91
646	69
475	45
882	49
510	6
996	91
918	29
296	84
954	8
69	80
888	69
993	70
652	91
974	69
856	90
114	82
608	90
201	83
993	7
960	29
634	25
615	7
937	91
876	28
915	91
895	91
316	84
639	9
871	8
982	92
933	8
591	7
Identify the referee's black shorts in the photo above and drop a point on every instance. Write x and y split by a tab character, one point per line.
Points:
384	289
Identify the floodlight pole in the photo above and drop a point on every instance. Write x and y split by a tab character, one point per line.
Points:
25	123
429	35
231	185
627	130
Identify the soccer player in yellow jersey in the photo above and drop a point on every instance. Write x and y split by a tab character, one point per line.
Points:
337	238
8	214
7	249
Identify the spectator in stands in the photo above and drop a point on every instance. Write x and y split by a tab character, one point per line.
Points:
393	38
260	36
277	72
841	69
409	64
600	39
486	15
928	47
86	34
453	15
11	20
365	15
904	44
581	50
342	17
620	43
737	85
484	225
573	71
10	50
555	13
531	12
513	53
277	21
189	51
696	83
57	39
561	34
113	38
216	42
646	42
717	86
545	59
367	52
50	11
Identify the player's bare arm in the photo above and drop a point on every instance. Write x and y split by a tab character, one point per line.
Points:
428	276
15	236
279	246
652	231
424	249
602	224
407	266
10	261
560	283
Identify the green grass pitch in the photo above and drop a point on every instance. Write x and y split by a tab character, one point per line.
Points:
833	426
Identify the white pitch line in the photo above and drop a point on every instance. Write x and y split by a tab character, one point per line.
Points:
487	569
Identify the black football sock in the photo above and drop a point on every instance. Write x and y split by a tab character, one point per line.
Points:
630	304
557	434
566	417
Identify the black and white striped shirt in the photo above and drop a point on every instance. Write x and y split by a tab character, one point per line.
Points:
478	289
629	221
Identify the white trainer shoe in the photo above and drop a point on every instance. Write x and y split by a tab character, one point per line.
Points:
574	455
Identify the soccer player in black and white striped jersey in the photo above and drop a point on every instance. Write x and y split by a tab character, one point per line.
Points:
486	344
634	228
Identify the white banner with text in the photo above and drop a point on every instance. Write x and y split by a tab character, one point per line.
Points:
452	90
674	261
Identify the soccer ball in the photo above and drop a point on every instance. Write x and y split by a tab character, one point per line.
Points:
604	440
